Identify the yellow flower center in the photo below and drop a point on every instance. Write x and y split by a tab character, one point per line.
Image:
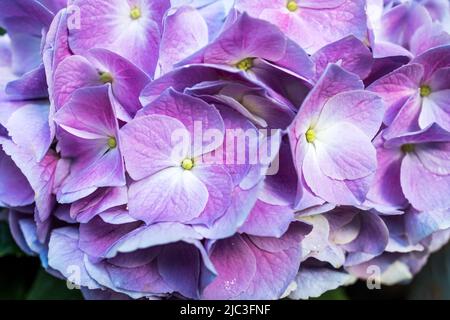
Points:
408	148
292	6
310	135
135	13
245	64
425	91
187	164
106	77
112	143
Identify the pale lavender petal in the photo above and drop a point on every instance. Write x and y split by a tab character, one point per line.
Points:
264	215
397	87
440	80
220	187
32	85
373	235
386	189
21	225
85	209
134	282
111	25
73	73
435	157
313	282
407	119
185	32
265	268
172	194
35	137
433	133
234	278
436	109
40	175
275	269
242	203
335	20
179	80
417	190
433	60
362	109
351	156
154	235
195	115
350	53
15	189
247	38
149	145
420	225
118	215
127	82
334	191
333	81
56	46
97	237
427	37
65	256
94	165
400	23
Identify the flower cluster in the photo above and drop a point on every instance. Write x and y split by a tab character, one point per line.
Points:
220	149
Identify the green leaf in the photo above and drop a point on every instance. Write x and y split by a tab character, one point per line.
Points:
337	294
7	243
47	287
433	282
2	31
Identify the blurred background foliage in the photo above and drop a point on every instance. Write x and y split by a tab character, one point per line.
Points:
21	277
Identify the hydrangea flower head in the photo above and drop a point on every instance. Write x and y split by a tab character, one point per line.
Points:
212	149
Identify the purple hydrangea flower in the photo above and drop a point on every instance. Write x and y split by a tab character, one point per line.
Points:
331	140
210	150
99	67
417	94
402	159
91	140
